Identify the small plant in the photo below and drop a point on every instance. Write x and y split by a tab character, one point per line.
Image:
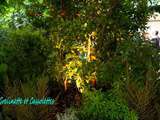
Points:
68	115
27	90
143	100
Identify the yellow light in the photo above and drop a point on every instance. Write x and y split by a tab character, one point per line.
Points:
94	33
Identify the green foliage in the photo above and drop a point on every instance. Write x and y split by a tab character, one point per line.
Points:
3	38
96	106
3	51
133	71
58	51
27	54
134	60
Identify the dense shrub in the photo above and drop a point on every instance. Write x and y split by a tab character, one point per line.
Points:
135	60
133	72
27	52
3	66
98	107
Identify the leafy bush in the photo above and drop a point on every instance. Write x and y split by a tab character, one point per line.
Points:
27	53
133	60
3	52
133	71
98	107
